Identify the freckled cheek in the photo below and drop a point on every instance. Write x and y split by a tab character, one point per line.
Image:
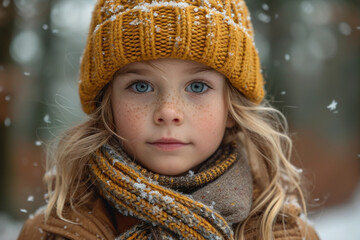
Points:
129	120
210	123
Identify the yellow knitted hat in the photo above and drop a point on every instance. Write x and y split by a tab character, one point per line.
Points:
217	33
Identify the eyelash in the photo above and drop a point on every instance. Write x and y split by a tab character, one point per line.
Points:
133	84
201	82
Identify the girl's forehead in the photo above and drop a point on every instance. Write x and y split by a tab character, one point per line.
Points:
164	65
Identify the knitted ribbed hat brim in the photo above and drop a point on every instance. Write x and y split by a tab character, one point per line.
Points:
120	35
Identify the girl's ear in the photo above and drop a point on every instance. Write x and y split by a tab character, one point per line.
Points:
230	122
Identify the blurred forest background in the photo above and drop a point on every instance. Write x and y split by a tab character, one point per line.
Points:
310	53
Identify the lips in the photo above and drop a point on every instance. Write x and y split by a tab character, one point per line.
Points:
168	144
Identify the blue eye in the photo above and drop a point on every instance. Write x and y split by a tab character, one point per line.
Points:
197	87
141	87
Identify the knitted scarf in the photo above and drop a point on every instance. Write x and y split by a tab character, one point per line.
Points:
164	204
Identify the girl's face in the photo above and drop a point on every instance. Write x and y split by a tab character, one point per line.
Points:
172	113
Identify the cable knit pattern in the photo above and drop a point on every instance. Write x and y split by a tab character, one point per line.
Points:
218	34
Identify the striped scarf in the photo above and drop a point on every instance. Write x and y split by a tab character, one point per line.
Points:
159	201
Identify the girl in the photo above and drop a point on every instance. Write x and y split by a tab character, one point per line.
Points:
179	143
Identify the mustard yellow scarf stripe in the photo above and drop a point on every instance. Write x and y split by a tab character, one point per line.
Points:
146	207
222	160
135	195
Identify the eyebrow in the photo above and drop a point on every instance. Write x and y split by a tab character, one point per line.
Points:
200	69
144	71
140	71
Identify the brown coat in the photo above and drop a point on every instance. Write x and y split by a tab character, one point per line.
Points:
98	220
95	220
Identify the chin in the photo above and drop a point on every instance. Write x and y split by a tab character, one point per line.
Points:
174	170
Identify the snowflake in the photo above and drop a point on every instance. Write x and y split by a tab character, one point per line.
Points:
332	105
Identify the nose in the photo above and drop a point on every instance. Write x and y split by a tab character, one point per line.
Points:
168	113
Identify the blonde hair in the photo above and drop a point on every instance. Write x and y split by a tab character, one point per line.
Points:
66	172
262	130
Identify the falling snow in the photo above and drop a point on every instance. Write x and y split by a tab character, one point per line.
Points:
344	28
7	98
7	122
47	118
307	7
265	7
287	57
30	198
332	106
264	17
23	210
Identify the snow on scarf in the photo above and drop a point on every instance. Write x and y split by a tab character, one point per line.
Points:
166	212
